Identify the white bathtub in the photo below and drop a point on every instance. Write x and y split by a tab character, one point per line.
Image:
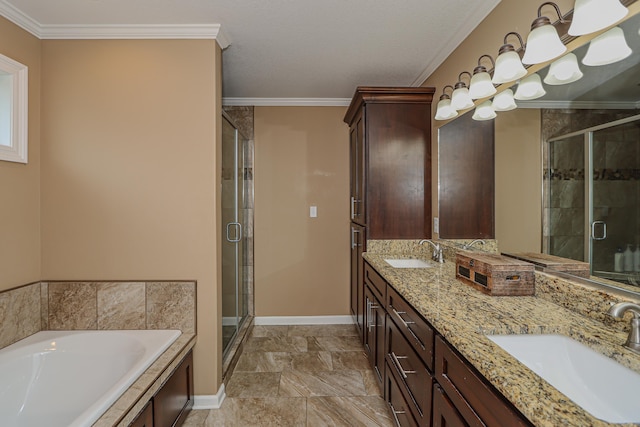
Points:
70	378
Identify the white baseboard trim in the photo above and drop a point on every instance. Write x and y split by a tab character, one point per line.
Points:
212	401
304	320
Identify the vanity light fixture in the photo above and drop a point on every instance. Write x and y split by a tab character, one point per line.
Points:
481	85
460	99
508	65
543	42
530	88
607	48
564	70
504	101
590	16
484	111
445	111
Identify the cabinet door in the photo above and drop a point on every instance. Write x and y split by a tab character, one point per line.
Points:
357	183
145	419
358	239
400	410
444	413
174	400
374	334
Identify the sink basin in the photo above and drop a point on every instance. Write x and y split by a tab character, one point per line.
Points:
408	263
601	386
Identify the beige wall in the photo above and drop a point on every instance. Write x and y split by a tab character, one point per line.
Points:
509	15
129	131
20	183
301	263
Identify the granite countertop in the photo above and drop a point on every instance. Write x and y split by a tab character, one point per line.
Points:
133	400
463	315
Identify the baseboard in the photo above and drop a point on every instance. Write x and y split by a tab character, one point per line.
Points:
304	320
212	401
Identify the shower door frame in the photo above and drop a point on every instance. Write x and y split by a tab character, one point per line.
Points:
589	229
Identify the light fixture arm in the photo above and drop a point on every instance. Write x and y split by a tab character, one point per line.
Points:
444	94
493	63
460	78
543	20
519	39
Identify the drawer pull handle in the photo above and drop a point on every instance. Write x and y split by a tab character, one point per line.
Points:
396	361
406	325
395	414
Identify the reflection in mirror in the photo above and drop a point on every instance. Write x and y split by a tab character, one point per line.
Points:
582	141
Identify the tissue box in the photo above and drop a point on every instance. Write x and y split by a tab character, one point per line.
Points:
495	274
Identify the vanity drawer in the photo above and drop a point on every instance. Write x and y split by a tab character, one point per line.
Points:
417	331
400	410
377	284
478	402
410	373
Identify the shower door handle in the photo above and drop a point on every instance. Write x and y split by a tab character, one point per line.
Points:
593	230
238	233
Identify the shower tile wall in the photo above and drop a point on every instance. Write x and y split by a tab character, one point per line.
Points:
616	174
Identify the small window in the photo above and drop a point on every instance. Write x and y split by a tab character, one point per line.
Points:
13	110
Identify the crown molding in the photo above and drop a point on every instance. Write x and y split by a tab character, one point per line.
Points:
454	40
287	102
196	31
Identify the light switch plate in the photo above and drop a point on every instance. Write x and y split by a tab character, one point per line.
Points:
313	211
436	225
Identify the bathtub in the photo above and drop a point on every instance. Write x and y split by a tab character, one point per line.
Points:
70	378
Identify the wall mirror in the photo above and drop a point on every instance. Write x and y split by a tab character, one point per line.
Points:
572	187
13	110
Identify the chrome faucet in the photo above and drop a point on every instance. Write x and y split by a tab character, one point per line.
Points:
437	250
618	310
468	245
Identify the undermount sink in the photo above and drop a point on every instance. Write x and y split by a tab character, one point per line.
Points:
408	263
601	386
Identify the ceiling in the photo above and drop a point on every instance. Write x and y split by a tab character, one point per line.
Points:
279	51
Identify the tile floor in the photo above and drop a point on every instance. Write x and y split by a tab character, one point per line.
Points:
315	375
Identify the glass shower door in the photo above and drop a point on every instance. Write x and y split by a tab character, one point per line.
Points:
592	197
234	298
615	221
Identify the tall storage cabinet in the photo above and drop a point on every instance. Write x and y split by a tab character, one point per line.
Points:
390	158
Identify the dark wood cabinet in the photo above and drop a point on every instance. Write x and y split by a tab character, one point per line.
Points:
375	317
358	239
477	402
390	171
444	413
400	409
467	179
171	404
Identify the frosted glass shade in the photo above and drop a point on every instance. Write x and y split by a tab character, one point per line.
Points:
484	111
564	70
543	44
607	48
590	16
530	88
460	99
504	101
445	111
508	68
481	86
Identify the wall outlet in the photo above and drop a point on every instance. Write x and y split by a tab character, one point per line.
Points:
313	211
436	225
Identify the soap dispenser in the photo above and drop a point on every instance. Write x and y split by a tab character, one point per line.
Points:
618	261
628	258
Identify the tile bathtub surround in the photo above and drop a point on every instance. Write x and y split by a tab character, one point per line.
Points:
120	305
19	313
303	375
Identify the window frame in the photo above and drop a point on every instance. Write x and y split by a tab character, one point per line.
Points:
18	150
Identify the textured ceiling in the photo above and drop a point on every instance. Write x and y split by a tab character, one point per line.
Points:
291	48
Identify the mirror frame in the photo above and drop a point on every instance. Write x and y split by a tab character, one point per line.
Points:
17	75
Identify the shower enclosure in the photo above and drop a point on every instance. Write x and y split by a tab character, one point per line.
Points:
592	196
236	231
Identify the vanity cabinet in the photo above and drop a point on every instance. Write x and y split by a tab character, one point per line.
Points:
358	239
171	404
390	170
426	382
475	400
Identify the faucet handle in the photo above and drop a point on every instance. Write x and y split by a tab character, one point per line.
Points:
618	310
